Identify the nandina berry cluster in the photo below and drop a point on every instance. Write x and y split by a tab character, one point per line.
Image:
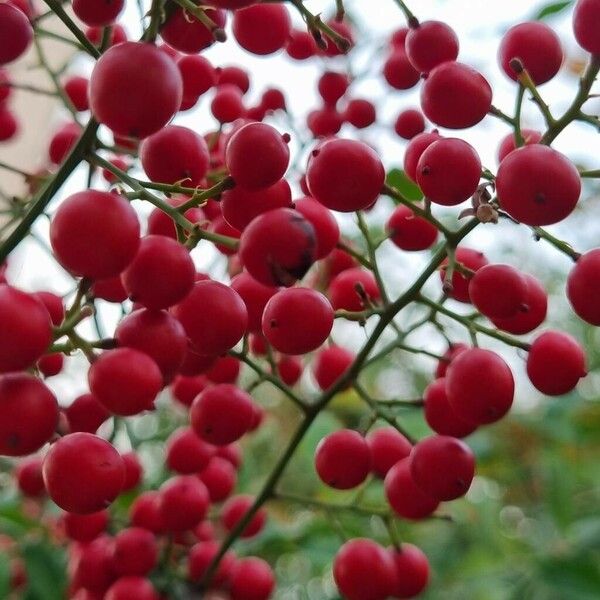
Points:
198	338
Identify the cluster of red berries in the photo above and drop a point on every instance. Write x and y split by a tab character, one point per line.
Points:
291	274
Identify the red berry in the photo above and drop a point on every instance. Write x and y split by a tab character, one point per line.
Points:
84	528
444	91
387	446
440	416
255	296
409	123
145	512
278	247
175	155
532	312
110	289
289	369
443	467
197	74
415	149
133	470
9	126
509	144
555	363
219	477
470	259
51	364
327	175
344	29
297	320
241	206
404	496
332	86
536	46
399	72
227	104
583	290
26	329
360	113
160	223
448	171
410	232
28	474
28	414
498	290
430	44
257	155
225	369
251	579
343	459
117	35
126	381
214	317
183	503
16	33
86	413
364	570
327	230
232	453
83	473
76	89
586	20
480	386
273	99
135	551
236	508
98	13
262	29
93	565
130	100
187	34
301	45
222	414
412	570
126	588
201	555
104	217
62	142
330	364
353	290
234	76
537	185
186	453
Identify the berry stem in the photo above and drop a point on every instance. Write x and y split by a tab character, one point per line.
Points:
411	20
541	234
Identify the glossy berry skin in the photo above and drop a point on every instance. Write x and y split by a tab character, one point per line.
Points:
409	123
412	570
290	369
536	46
470	259
62	142
156	333
586	20
92	565
330	364
278	247
255	296
404	496
430	44
97	13
175	155
415	149
451	353
186	453
227	104
332	86
222	414
134	472
324	122
135	551
344	295
301	45
241	206
251	579
26	329
225	369
555	363
183	503
76	89
583	289
257	155
145	512
9	126
480	386
83	473
364	570
498	290
161	274
262	29
509	144
399	72
440	416
327	230
190	36
448	171
443	467
537	185
297	320
327	175
86	413
134	101
198	76
343	459
360	112
201	555
235	509
28	414
126	381
84	528
409	232
387	446
532	313
16	33
126	588
214	317
444	91
28	475
232	75
219	477
103	217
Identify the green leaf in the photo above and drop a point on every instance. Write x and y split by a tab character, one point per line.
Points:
398	179
45	572
552	9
